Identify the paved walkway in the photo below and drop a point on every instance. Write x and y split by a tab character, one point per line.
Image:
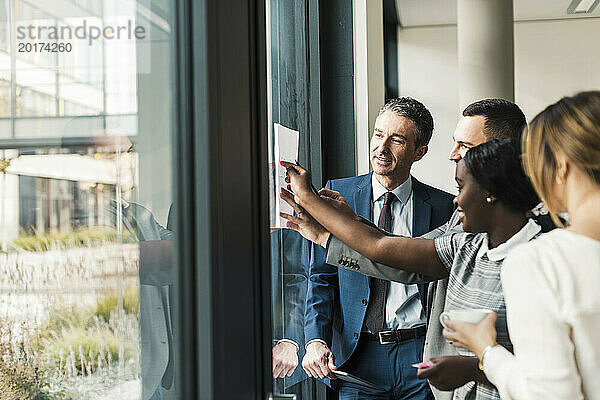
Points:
130	390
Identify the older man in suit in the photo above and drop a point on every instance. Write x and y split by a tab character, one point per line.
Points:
373	328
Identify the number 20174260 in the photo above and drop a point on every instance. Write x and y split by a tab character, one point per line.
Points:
40	47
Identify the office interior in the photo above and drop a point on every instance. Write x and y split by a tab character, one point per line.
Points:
138	259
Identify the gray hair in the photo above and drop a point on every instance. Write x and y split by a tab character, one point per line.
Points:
415	111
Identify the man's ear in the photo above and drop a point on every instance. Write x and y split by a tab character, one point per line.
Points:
420	152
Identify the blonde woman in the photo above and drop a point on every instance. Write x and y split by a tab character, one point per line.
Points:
552	284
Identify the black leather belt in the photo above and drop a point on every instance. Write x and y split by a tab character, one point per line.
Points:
395	336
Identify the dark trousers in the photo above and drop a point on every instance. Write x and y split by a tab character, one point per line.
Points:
388	366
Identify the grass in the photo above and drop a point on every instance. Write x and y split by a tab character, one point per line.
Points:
109	303
23	381
89	331
76	341
22	376
89	237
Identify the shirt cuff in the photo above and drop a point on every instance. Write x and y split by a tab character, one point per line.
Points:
315	340
495	359
290	341
444	249
328	241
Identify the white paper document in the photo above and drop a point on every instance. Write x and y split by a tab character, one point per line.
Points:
286	149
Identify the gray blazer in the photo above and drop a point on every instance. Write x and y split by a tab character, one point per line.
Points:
342	256
156	333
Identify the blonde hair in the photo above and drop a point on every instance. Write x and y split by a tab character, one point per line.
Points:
570	127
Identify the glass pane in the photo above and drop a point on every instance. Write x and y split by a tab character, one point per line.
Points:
5	64
87	279
288	88
35	70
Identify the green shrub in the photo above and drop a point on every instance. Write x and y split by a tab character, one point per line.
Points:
50	365
108	303
68	317
22	376
23	381
91	328
90	341
89	237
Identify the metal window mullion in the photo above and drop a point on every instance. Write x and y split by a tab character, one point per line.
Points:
13	65
193	379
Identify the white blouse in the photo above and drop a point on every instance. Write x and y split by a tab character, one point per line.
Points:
552	293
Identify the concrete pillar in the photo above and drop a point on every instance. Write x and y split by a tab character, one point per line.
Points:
369	76
485	50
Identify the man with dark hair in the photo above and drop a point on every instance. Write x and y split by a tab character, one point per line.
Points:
376	329
481	121
503	119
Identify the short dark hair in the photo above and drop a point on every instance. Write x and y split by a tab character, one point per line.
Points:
415	111
503	119
496	166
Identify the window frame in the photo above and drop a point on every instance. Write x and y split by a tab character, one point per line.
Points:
223	206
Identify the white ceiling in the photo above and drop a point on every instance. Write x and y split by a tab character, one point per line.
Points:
443	12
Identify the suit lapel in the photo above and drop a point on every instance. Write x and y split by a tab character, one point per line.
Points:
421	225
362	197
422	209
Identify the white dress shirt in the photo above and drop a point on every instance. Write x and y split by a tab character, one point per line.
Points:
403	306
551	287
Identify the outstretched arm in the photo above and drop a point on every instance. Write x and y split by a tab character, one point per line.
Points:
411	254
338	253
343	256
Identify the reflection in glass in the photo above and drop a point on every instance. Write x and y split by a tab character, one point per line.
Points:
69	275
5	65
86	275
287	72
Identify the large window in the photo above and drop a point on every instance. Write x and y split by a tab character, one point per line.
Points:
87	279
293	76
134	195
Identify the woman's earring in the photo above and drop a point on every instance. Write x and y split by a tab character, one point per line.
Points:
489	200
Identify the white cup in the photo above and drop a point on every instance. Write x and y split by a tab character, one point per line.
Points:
472	316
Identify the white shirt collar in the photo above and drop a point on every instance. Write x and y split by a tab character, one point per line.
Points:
402	192
499	253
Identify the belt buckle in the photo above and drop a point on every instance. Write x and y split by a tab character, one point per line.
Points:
387	337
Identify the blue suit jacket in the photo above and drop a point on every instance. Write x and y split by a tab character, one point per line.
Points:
290	256
334	308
